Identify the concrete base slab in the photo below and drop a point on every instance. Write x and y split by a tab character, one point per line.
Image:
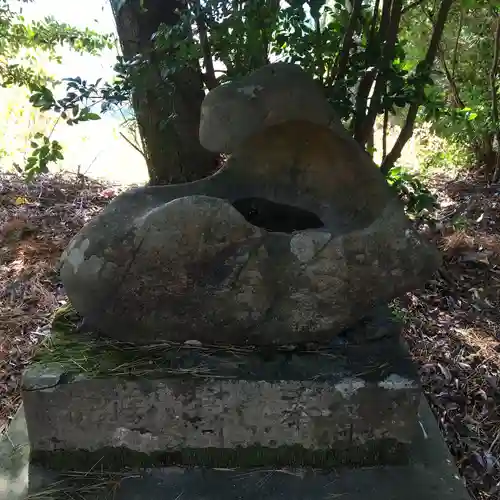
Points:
390	483
14	459
344	405
431	475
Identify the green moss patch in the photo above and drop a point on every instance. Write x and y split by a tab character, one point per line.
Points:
387	452
97	357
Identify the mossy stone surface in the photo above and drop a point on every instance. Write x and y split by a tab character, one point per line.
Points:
91	355
387	452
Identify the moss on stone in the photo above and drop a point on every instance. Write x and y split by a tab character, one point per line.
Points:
387	452
94	356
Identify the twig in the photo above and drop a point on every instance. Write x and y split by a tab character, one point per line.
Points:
209	75
391	35
131	143
384	134
455	50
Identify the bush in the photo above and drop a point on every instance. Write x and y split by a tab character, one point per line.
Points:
418	200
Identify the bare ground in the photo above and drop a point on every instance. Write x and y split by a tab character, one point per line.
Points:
452	326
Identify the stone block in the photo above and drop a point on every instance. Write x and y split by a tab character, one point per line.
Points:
345	404
430	475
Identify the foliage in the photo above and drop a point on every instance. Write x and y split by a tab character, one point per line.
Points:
461	103
80	97
357	51
417	198
312	34
80	103
44	152
19	43
440	152
16	36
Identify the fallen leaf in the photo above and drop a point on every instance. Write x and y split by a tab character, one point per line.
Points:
21	200
480	257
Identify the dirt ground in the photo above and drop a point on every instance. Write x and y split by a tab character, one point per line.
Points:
452	325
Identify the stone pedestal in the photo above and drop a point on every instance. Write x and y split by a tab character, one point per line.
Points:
430	474
348	403
346	420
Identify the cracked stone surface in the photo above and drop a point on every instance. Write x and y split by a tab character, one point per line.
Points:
294	240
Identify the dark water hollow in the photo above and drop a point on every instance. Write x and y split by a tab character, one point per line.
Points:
276	217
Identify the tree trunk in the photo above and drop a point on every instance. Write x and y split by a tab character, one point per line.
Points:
407	130
390	36
494	98
168	112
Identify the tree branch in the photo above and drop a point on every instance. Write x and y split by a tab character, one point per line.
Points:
453	85
340	66
373	27
209	76
455	50
384	134
385	65
367	80
318	48
427	63
132	144
273	7
494	96
449	76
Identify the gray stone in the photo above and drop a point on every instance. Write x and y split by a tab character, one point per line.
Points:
430	475
274	94
14	460
346	404
296	239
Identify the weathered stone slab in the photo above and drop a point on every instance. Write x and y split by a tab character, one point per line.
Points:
346	404
412	482
430	475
